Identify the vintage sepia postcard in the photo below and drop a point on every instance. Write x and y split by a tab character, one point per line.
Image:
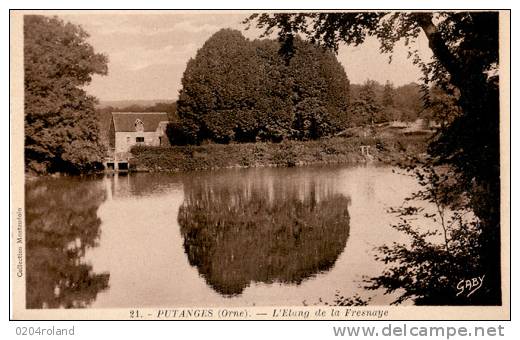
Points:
260	165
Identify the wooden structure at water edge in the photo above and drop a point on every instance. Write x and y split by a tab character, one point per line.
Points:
365	152
116	161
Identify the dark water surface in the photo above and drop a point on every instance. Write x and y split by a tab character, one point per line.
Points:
270	236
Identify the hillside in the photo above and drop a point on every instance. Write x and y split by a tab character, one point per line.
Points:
119	104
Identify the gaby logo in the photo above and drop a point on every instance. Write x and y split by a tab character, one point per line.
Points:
470	286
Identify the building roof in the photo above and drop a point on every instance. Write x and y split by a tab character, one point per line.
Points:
125	121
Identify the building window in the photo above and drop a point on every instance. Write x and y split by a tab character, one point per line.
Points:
139	139
139	126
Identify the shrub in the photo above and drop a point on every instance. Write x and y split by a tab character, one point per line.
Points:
180	134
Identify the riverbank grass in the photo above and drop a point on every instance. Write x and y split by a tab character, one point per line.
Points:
285	154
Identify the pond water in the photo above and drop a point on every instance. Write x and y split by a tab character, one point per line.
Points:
245	237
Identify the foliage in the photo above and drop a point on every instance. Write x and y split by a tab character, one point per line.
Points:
465	60
61	129
62	225
388	95
180	134
241	90
332	150
441	106
311	120
403	103
356	300
387	101
443	247
366	108
409	100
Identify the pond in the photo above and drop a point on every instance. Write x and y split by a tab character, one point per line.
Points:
240	237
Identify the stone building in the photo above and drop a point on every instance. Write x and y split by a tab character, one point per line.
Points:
133	128
137	128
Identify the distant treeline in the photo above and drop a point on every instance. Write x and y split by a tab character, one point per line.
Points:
385	102
373	102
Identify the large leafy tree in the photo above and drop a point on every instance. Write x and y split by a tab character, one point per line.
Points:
241	90
366	109
389	111
388	95
408	100
465	62
220	87
61	129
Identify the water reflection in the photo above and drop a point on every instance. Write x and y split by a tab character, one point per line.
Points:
139	185
61	224
269	229
196	239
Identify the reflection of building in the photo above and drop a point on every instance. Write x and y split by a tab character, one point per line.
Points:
124	185
134	128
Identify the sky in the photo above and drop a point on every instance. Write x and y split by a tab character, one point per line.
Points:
148	52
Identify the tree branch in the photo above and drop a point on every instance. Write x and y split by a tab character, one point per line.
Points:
439	47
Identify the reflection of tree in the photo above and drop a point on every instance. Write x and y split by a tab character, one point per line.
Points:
264	232
62	223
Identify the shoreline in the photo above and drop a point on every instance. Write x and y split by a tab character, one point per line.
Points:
210	157
336	150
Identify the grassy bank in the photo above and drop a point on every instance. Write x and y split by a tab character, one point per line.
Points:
285	154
